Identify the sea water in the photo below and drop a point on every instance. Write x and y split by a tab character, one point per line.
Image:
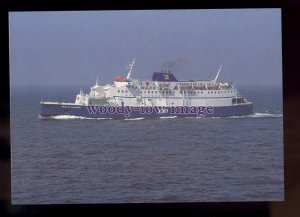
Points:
69	159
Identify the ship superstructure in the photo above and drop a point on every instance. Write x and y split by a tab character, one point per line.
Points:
162	93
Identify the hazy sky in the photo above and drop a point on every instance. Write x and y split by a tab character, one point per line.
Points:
72	48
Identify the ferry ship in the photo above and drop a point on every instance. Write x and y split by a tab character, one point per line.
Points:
164	96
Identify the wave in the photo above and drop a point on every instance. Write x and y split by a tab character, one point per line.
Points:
134	119
254	115
265	115
74	117
196	117
71	117
168	117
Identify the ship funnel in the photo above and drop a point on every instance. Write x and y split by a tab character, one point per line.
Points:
218	74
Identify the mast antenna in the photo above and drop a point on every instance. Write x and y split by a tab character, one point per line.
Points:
218	74
130	67
97	80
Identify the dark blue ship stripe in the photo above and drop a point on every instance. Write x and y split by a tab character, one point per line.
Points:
136	112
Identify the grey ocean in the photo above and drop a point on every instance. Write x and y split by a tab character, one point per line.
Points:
69	160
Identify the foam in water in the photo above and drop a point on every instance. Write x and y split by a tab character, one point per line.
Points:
134	119
255	115
168	117
258	115
265	115
196	117
72	117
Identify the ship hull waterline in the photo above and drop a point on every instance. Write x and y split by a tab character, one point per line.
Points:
128	112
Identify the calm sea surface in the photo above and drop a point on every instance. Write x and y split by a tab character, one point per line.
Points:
71	160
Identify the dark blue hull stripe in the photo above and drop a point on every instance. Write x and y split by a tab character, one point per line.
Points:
48	110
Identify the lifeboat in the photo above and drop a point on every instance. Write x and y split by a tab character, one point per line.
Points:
119	78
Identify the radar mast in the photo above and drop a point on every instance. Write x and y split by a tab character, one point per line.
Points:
130	67
218	74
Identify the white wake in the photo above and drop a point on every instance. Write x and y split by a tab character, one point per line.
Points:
134	119
265	115
72	117
168	117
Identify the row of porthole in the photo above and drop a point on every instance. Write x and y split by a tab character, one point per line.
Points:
188	92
